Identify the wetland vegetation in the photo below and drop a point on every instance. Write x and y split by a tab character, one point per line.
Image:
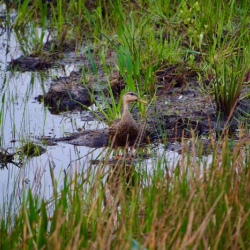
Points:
65	65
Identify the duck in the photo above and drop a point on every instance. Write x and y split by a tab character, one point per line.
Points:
126	132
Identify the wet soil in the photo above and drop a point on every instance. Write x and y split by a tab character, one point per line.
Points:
183	107
89	138
30	149
43	58
73	92
66	94
7	157
29	63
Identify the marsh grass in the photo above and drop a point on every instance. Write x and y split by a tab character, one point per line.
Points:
231	65
2	109
198	203
110	107
228	86
202	201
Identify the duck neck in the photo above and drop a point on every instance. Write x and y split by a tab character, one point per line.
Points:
125	110
125	107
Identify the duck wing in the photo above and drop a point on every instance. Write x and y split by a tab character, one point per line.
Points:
113	127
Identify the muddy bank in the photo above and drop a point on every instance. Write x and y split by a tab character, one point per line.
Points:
6	158
90	138
45	57
55	53
182	109
30	149
29	63
183	106
73	92
66	94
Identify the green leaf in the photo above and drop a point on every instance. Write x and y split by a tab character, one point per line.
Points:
93	64
129	62
42	229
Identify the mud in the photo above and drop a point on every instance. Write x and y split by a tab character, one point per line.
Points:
44	58
29	63
183	107
6	158
72	92
30	149
66	94
54	47
90	138
69	93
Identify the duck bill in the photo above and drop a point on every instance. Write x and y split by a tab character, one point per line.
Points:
142	101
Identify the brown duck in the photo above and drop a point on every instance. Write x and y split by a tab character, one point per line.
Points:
125	132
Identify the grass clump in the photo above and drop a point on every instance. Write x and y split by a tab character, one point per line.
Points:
194	205
31	149
200	202
228	87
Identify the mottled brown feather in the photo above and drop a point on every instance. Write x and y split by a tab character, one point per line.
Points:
124	132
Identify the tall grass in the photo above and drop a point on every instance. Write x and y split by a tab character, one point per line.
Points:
231	66
2	115
200	203
228	86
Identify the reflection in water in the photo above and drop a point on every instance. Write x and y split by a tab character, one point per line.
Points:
24	119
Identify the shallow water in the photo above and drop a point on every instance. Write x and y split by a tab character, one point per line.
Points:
24	119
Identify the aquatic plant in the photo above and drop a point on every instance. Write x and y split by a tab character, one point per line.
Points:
200	200
230	76
227	87
197	203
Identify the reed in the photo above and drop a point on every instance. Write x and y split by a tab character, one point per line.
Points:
201	201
